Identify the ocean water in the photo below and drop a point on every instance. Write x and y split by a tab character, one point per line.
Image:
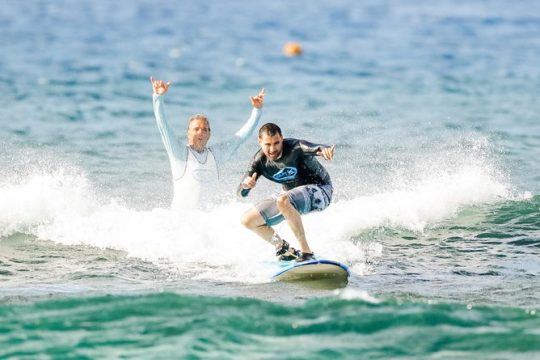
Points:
433	107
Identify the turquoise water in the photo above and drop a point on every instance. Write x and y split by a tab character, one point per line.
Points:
434	111
172	326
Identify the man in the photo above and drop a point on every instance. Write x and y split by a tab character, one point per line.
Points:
306	187
195	165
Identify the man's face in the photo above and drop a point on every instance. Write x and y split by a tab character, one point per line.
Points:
198	133
271	146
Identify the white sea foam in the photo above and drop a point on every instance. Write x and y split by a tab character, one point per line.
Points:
355	294
42	199
63	208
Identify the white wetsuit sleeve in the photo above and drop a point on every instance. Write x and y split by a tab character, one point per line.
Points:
226	149
176	152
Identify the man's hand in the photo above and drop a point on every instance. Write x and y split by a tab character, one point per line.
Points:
159	86
258	101
250	181
327	153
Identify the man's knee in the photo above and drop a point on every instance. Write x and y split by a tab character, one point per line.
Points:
282	202
246	220
251	219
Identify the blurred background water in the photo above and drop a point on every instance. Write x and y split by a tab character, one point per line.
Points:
433	107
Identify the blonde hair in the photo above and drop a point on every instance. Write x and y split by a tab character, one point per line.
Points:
199	117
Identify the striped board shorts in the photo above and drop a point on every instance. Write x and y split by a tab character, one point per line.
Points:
305	199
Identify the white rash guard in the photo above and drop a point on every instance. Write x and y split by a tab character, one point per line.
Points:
195	174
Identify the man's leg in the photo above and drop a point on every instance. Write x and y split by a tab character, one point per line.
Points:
295	221
254	221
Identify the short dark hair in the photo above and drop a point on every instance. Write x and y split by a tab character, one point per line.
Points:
269	129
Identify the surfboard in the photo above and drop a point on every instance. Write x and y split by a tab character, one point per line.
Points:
314	269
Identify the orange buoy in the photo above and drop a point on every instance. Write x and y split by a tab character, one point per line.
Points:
292	49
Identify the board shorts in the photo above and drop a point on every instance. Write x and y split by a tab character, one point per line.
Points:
305	199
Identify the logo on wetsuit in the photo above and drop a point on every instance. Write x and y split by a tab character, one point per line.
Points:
285	174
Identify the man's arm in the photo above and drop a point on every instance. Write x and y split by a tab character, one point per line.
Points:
225	150
176	152
250	180
326	151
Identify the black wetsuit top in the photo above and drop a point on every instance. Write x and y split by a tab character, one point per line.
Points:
297	166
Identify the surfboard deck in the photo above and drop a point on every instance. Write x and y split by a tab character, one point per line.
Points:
314	269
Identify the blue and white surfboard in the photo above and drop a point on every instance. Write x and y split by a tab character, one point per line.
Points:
315	269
